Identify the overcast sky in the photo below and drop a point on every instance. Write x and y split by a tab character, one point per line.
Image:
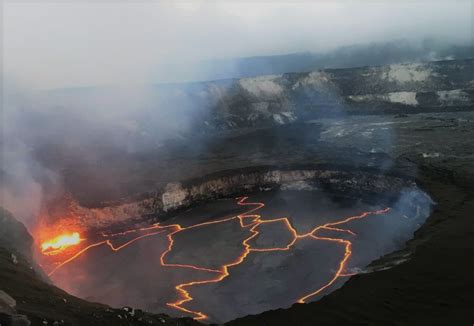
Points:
50	45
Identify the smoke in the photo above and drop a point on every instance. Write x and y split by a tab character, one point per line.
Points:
73	136
60	129
25	182
22	192
55	45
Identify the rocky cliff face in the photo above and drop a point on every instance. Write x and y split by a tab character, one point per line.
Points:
179	195
290	97
14	236
15	247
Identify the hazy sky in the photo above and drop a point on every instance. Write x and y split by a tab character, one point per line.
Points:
48	45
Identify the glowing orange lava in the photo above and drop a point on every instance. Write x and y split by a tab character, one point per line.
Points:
247	220
59	243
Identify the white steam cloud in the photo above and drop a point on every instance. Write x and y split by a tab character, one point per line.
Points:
81	43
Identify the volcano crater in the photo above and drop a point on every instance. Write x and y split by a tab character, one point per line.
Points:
240	242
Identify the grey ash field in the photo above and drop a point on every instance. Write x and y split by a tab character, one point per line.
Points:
415	128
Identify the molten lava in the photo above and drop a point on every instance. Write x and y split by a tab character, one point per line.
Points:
60	243
247	220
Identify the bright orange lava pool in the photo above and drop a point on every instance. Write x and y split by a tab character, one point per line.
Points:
59	243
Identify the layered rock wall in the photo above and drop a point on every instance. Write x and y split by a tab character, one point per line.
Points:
176	196
286	98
